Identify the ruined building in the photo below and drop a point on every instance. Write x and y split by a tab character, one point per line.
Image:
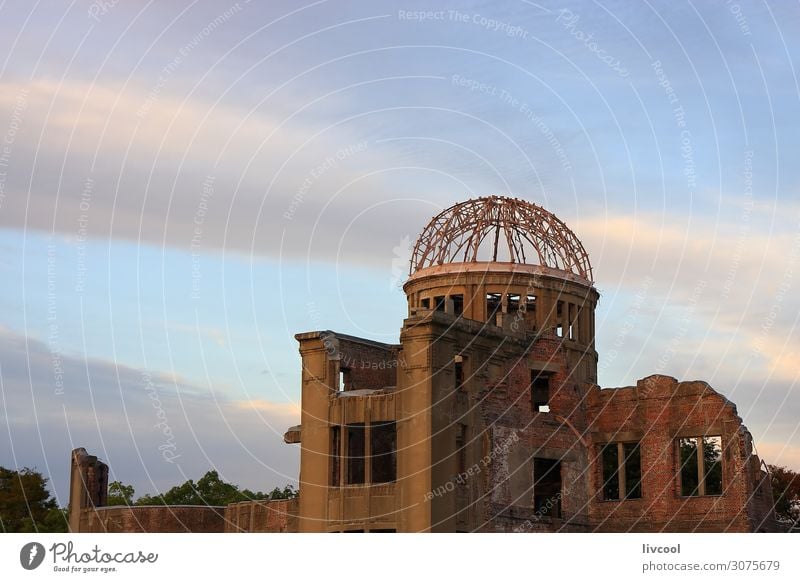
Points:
487	415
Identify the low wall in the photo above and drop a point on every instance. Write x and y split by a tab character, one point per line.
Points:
278	516
153	519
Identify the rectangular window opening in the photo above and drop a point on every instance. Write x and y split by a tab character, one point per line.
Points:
355	454
458	305
547	487
458	379
383	440
344	379
530	312
540	391
633	470
610	460
439	303
426	303
712	462
494	303
622	471
513	302
700	470
689	474
569	321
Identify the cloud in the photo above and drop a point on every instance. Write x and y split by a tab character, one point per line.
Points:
724	288
702	299
290	409
55	402
781	355
198	174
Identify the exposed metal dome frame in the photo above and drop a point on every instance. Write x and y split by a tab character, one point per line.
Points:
460	233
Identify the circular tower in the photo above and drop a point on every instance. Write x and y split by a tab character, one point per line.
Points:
508	263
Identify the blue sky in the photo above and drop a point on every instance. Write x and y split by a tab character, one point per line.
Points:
202	180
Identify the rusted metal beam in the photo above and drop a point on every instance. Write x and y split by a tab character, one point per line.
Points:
470	231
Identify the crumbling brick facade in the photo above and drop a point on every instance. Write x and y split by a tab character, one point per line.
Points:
657	412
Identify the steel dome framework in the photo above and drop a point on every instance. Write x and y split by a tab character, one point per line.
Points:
500	229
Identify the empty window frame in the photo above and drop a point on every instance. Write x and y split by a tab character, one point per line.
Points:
621	471
530	312
439	303
547	487
494	303
458	304
540	391
560	308
344	379
382	464
513	300
632	458
572	316
700	471
356	448
383	457
425	303
458	373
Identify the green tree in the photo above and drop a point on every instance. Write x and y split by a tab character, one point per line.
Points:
55	521
26	505
210	489
120	494
287	492
786	491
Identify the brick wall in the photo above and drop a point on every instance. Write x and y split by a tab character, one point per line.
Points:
153	519
278	516
656	412
506	409
370	365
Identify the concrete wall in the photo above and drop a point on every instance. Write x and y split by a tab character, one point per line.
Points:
367	396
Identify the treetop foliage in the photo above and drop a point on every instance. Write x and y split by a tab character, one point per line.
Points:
26	505
210	489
